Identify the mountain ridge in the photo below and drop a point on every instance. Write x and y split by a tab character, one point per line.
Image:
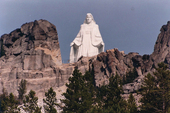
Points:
32	52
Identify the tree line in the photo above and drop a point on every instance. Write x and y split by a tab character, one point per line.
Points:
28	103
83	96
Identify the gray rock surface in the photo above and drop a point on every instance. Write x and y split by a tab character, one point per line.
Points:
32	52
113	61
146	63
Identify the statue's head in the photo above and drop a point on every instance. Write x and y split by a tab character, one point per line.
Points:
89	18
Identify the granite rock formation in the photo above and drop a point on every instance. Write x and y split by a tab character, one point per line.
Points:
32	52
114	61
147	63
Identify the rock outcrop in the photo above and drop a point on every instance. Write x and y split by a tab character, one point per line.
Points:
113	61
147	63
162	46
32	52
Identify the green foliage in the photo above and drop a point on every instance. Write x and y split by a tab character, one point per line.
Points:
73	93
96	110
8	104
89	91
30	103
101	96
78	97
108	98
50	101
21	90
156	91
82	96
150	94
12	104
130	76
114	103
2	49
3	100
132	108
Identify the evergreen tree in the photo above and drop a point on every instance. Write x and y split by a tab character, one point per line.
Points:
30	103
72	101
114	102
155	91
3	100
12	104
21	90
149	95
101	96
9	103
79	94
50	101
132	104
89	91
130	76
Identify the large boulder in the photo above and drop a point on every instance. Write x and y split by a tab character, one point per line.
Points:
32	52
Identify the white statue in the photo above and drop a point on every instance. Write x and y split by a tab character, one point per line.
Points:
88	41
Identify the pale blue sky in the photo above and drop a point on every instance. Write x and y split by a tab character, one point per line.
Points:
129	25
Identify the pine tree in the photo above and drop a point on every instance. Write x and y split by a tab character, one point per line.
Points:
88	91
149	95
30	103
132	104
79	94
21	90
114	102
130	76
163	79
12	104
50	101
3	100
9	103
72	96
101	96
155	91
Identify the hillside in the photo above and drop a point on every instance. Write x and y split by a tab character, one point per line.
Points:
32	52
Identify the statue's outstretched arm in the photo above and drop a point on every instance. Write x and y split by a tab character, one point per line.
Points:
78	40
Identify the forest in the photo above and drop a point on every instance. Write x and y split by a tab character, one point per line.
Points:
83	96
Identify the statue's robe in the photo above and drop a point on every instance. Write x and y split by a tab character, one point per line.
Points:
88	42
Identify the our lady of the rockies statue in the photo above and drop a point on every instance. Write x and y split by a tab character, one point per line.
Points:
88	41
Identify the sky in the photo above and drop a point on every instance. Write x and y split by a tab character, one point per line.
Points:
129	25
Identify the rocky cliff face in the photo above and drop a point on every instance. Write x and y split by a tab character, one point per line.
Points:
161	51
32	53
147	63
113	61
162	46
